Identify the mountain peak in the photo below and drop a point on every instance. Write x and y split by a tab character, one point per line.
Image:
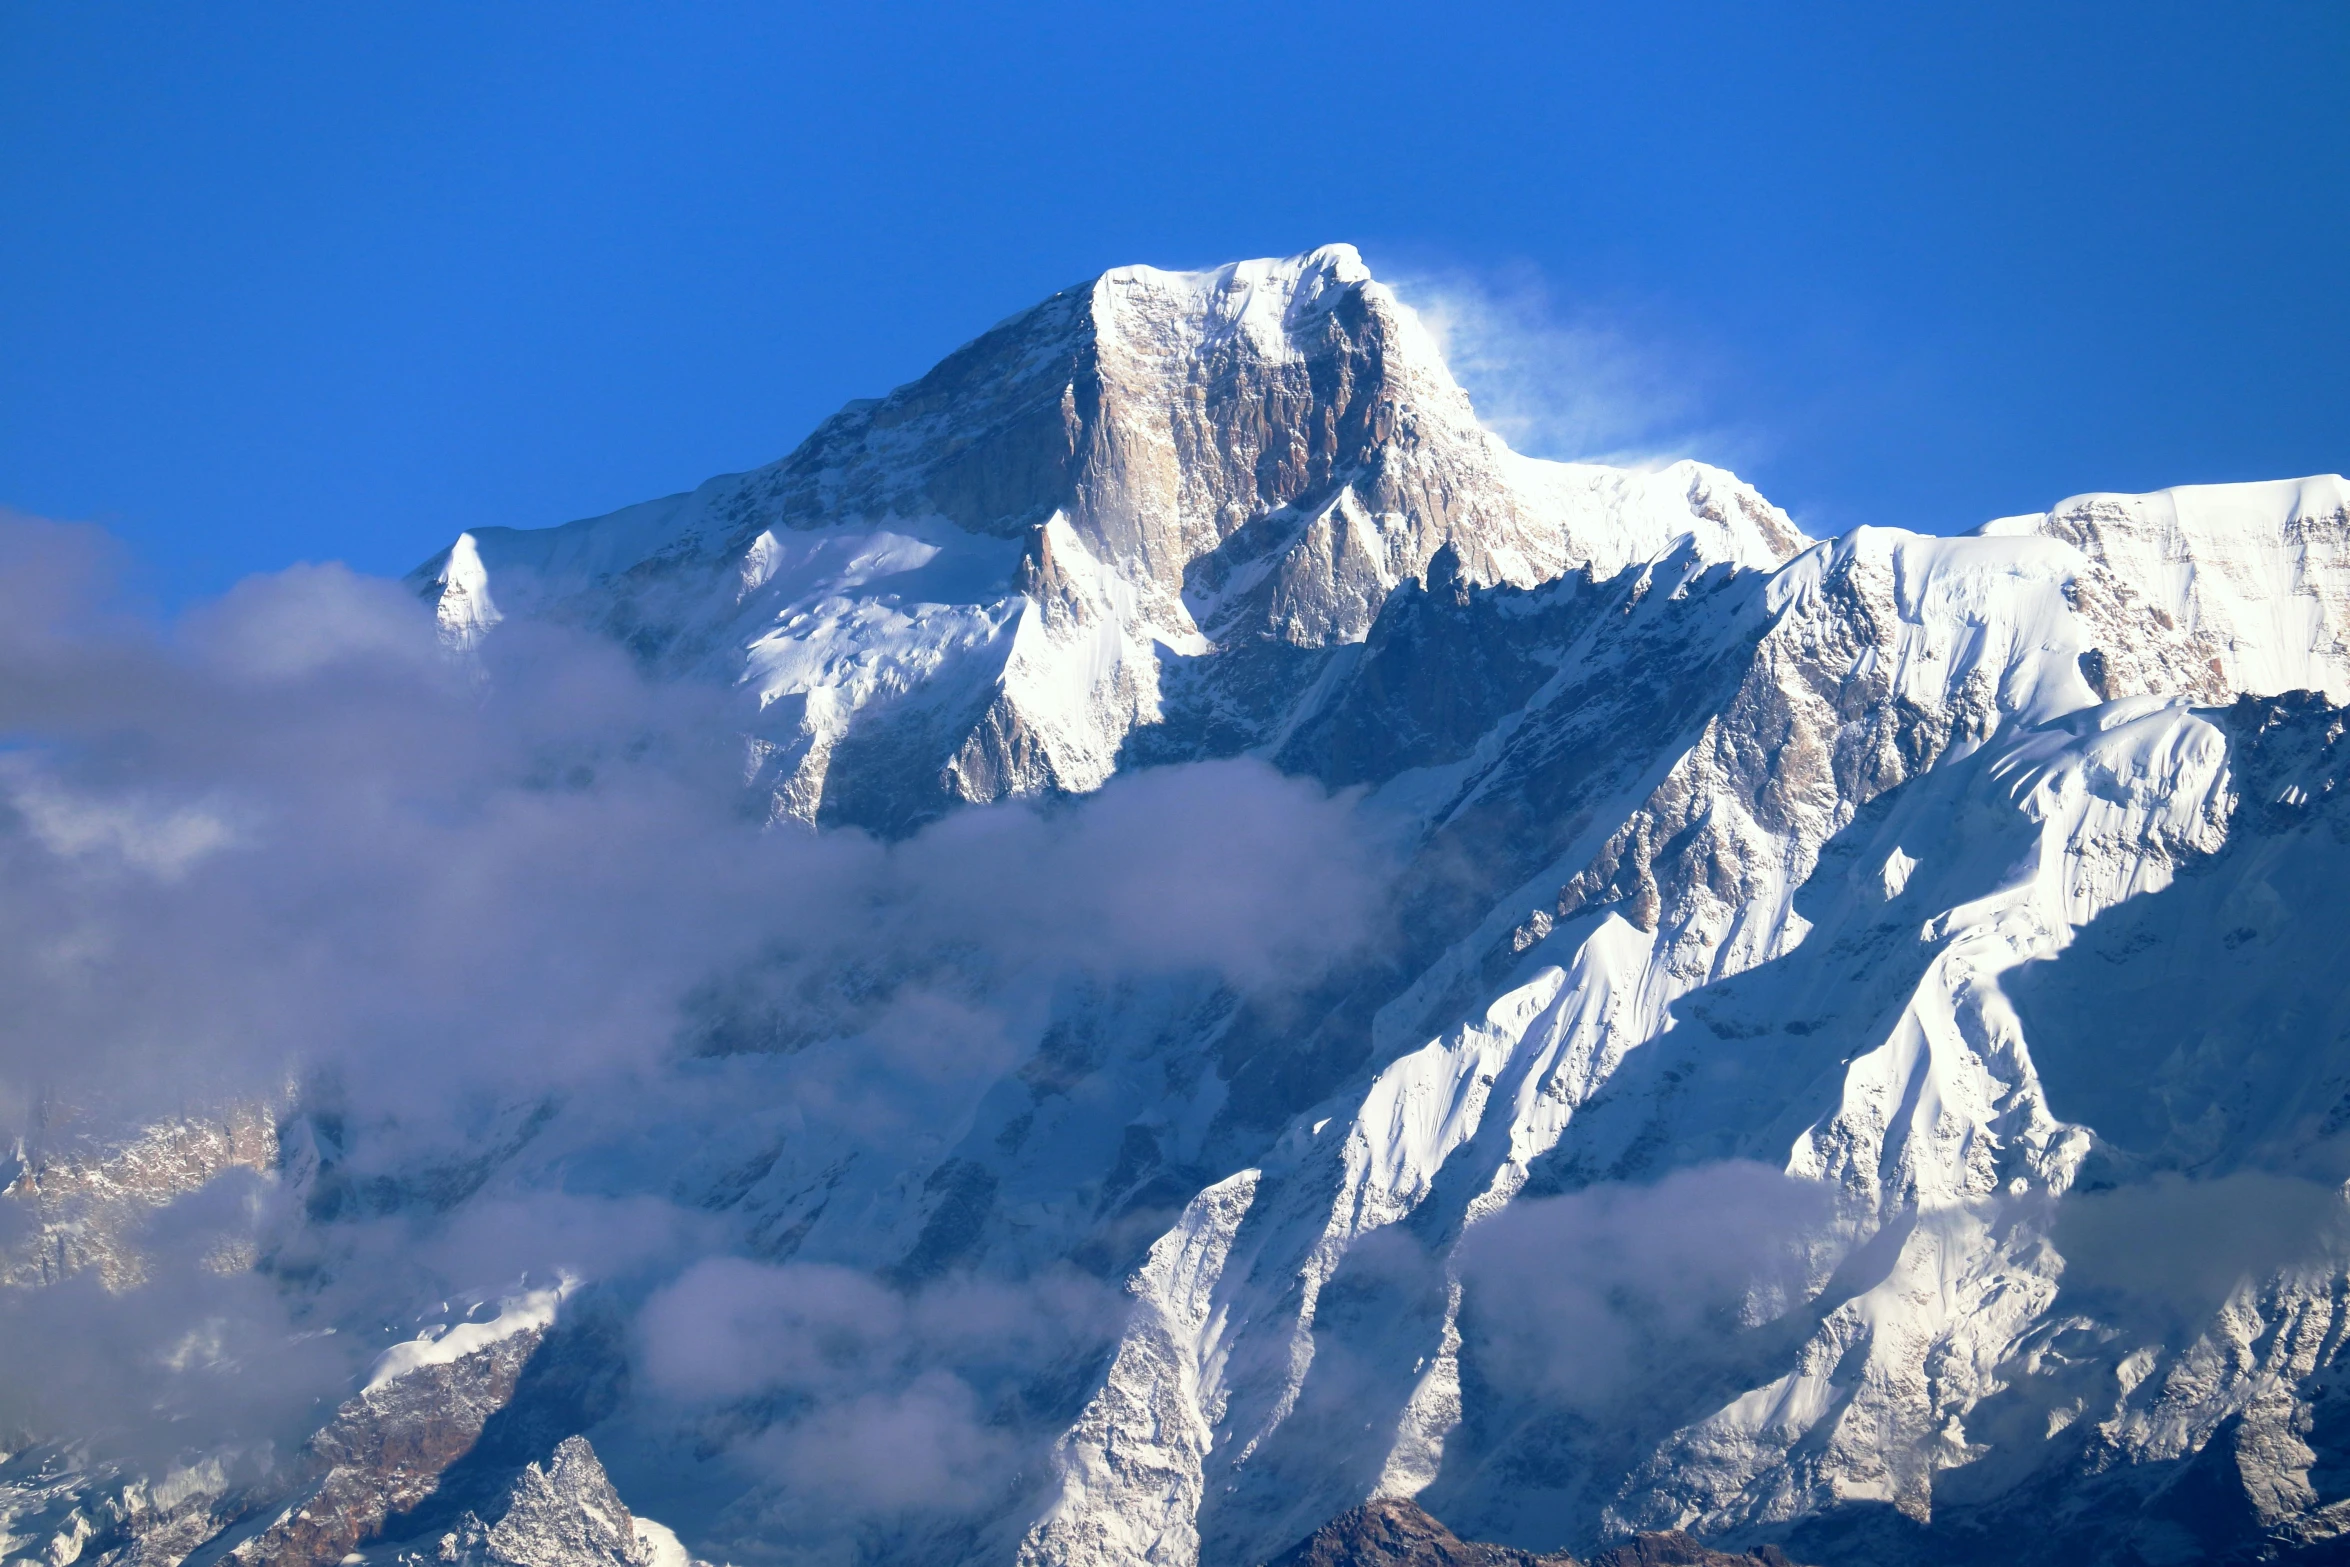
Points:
1269	301
1309	274
1157	465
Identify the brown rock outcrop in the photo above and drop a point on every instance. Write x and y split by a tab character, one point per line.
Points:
385	1451
1391	1532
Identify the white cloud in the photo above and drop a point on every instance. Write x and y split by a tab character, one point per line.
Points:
161	839
289	842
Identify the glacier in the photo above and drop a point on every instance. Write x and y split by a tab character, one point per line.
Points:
1832	1044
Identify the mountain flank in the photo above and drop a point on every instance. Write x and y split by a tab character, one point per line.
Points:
1393	1532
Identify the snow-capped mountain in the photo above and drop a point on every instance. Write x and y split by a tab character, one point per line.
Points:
1848	1055
1147	511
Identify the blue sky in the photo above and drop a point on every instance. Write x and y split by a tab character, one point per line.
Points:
335	282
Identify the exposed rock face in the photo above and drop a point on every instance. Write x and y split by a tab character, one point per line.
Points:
1675	1549
385	1451
86	1200
1391	1533
2211	590
971	588
61	1509
562	1514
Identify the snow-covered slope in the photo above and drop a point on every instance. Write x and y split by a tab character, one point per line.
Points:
2210	590
1850	1054
1792	952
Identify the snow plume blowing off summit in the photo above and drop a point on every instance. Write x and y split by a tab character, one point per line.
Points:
1157	936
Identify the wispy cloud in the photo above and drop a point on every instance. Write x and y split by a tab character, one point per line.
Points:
1566	381
530	964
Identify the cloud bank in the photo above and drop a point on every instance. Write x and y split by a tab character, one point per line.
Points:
428	912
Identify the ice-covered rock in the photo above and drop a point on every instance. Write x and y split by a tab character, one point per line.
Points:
563	1513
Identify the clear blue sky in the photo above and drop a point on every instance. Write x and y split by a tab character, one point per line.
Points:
337	281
